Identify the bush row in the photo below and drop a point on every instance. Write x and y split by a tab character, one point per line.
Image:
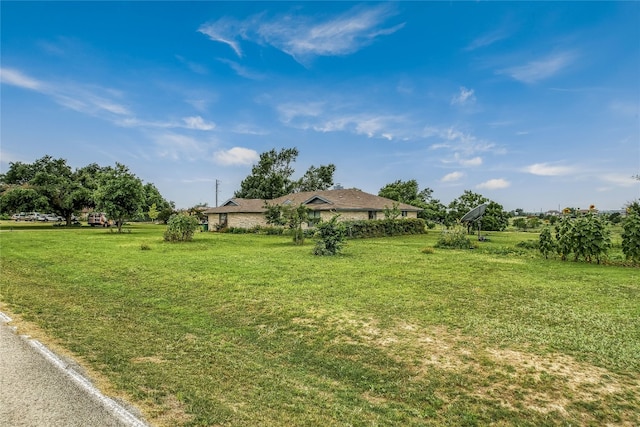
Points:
585	237
384	227
354	229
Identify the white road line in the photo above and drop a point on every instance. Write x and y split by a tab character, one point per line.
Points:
111	405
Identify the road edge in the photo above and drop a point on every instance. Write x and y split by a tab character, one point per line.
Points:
119	411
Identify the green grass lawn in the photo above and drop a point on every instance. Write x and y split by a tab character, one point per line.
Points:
248	330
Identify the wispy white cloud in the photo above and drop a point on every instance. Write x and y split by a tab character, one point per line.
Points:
91	100
236	156
542	68
619	180
328	117
6	157
452	177
546	169
16	78
371	125
196	180
241	70
289	111
487	39
463	97
494	184
199	103
246	129
304	37
198	123
193	66
475	161
193	123
175	146
625	108
224	31
464	146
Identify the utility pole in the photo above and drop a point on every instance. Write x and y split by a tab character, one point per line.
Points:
217	188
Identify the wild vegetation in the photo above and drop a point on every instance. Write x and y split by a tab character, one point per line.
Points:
249	330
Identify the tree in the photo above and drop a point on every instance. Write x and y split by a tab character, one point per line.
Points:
153	196
494	219
408	192
197	211
292	217
120	194
405	192
392	212
463	204
295	218
166	213
533	222
47	184
271	177
314	179
273	214
520	223
153	212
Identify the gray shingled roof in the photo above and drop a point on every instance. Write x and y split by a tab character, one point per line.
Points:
338	200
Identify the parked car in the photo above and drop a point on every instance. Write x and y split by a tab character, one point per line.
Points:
32	216
19	216
98	219
50	218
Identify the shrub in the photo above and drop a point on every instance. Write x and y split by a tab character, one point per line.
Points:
384	227
332	235
631	233
454	239
591	239
564	232
527	244
586	237
546	244
180	228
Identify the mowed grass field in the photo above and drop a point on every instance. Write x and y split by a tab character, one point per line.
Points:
246	330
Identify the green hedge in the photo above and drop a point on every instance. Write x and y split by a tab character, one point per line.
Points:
355	229
384	227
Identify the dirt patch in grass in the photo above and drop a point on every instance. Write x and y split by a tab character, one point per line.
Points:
148	359
172	412
513	379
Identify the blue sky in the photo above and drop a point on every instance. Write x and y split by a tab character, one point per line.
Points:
532	104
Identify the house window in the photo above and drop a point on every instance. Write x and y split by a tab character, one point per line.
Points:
314	217
404	214
222	219
372	214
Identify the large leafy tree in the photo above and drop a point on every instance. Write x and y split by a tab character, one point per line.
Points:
152	197
47	184
410	193
494	218
120	194
270	178
320	178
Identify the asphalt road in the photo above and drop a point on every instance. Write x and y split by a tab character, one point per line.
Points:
38	389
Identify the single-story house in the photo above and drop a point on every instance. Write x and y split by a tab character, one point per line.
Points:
350	204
